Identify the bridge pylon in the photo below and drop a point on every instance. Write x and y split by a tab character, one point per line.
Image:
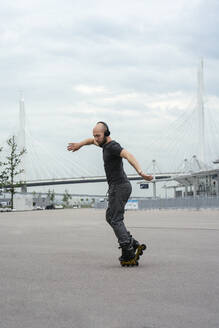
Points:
22	140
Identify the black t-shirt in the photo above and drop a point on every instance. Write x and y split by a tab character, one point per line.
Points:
113	163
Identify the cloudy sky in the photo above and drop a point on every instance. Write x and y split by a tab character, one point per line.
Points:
132	64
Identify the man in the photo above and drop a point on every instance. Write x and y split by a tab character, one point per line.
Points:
119	185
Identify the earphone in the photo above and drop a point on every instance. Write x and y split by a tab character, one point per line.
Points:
107	132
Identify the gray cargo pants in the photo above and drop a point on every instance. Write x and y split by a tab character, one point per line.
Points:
118	195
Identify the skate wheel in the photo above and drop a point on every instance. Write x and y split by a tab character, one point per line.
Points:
143	246
136	263
140	253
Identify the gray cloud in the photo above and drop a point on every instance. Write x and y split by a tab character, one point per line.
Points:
133	65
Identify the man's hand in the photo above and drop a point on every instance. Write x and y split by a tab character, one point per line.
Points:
73	146
145	176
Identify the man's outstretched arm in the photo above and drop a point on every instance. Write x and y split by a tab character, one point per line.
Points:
73	146
132	160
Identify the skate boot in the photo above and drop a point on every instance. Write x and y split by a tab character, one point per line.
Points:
135	244
131	253
128	253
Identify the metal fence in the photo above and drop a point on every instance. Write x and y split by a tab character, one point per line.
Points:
179	203
173	203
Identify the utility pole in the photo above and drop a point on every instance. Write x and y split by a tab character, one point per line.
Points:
201	114
154	181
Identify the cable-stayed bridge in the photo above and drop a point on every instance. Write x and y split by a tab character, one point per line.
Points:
195	131
64	181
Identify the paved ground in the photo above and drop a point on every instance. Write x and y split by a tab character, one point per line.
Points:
59	269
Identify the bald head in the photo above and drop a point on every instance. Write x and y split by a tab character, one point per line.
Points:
99	133
100	127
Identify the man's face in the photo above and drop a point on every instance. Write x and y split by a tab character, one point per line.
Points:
98	133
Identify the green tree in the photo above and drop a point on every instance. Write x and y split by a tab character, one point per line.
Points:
3	173
51	195
11	165
34	197
66	198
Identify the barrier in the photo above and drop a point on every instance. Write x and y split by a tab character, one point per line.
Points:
171	203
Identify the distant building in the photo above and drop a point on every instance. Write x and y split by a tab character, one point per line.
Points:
202	183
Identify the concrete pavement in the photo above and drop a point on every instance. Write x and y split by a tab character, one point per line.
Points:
59	269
